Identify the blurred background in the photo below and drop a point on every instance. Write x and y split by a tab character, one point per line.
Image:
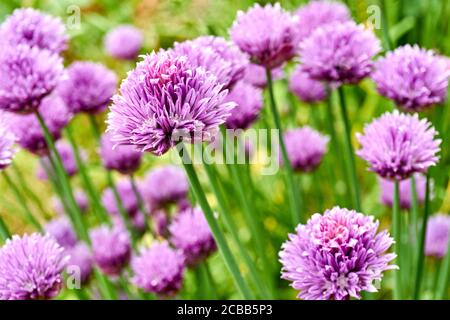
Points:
166	21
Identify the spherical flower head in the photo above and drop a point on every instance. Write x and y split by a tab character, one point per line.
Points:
124	159
336	255
35	29
61	229
88	87
126	194
217	55
256	75
68	160
165	185
397	145
249	102
31	267
124	42
7	141
80	198
438	231
190	233
305	88
339	53
305	148
164	101
159	269
111	248
28	131
160	223
387	191
267	34
413	78
81	262
317	14
27	75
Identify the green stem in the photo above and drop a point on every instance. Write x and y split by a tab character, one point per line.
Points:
28	190
4	231
293	191
210	279
139	199
396	220
231	227
442	284
351	165
22	202
89	187
421	246
213	224
385	26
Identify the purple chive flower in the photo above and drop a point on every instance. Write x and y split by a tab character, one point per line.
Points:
336	255
31	267
387	191
397	145
61	229
28	130
81	262
126	194
305	147
438	231
80	198
190	233
256	75
27	75
317	14
414	78
124	159
217	55
267	34
159	269
67	157
111	248
339	53
7	140
165	100
164	185
88	87
160	223
306	89
124	42
249	100
34	29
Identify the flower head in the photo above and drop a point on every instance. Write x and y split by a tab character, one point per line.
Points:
267	34
31	267
61	229
414	78
27	75
339	53
438	231
190	233
124	159
88	87
35	29
217	55
305	88
124	42
111	248
249	102
397	145
166	100
387	191
127	196
7	140
305	148
159	269
164	185
28	131
336	255
317	14
81	262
